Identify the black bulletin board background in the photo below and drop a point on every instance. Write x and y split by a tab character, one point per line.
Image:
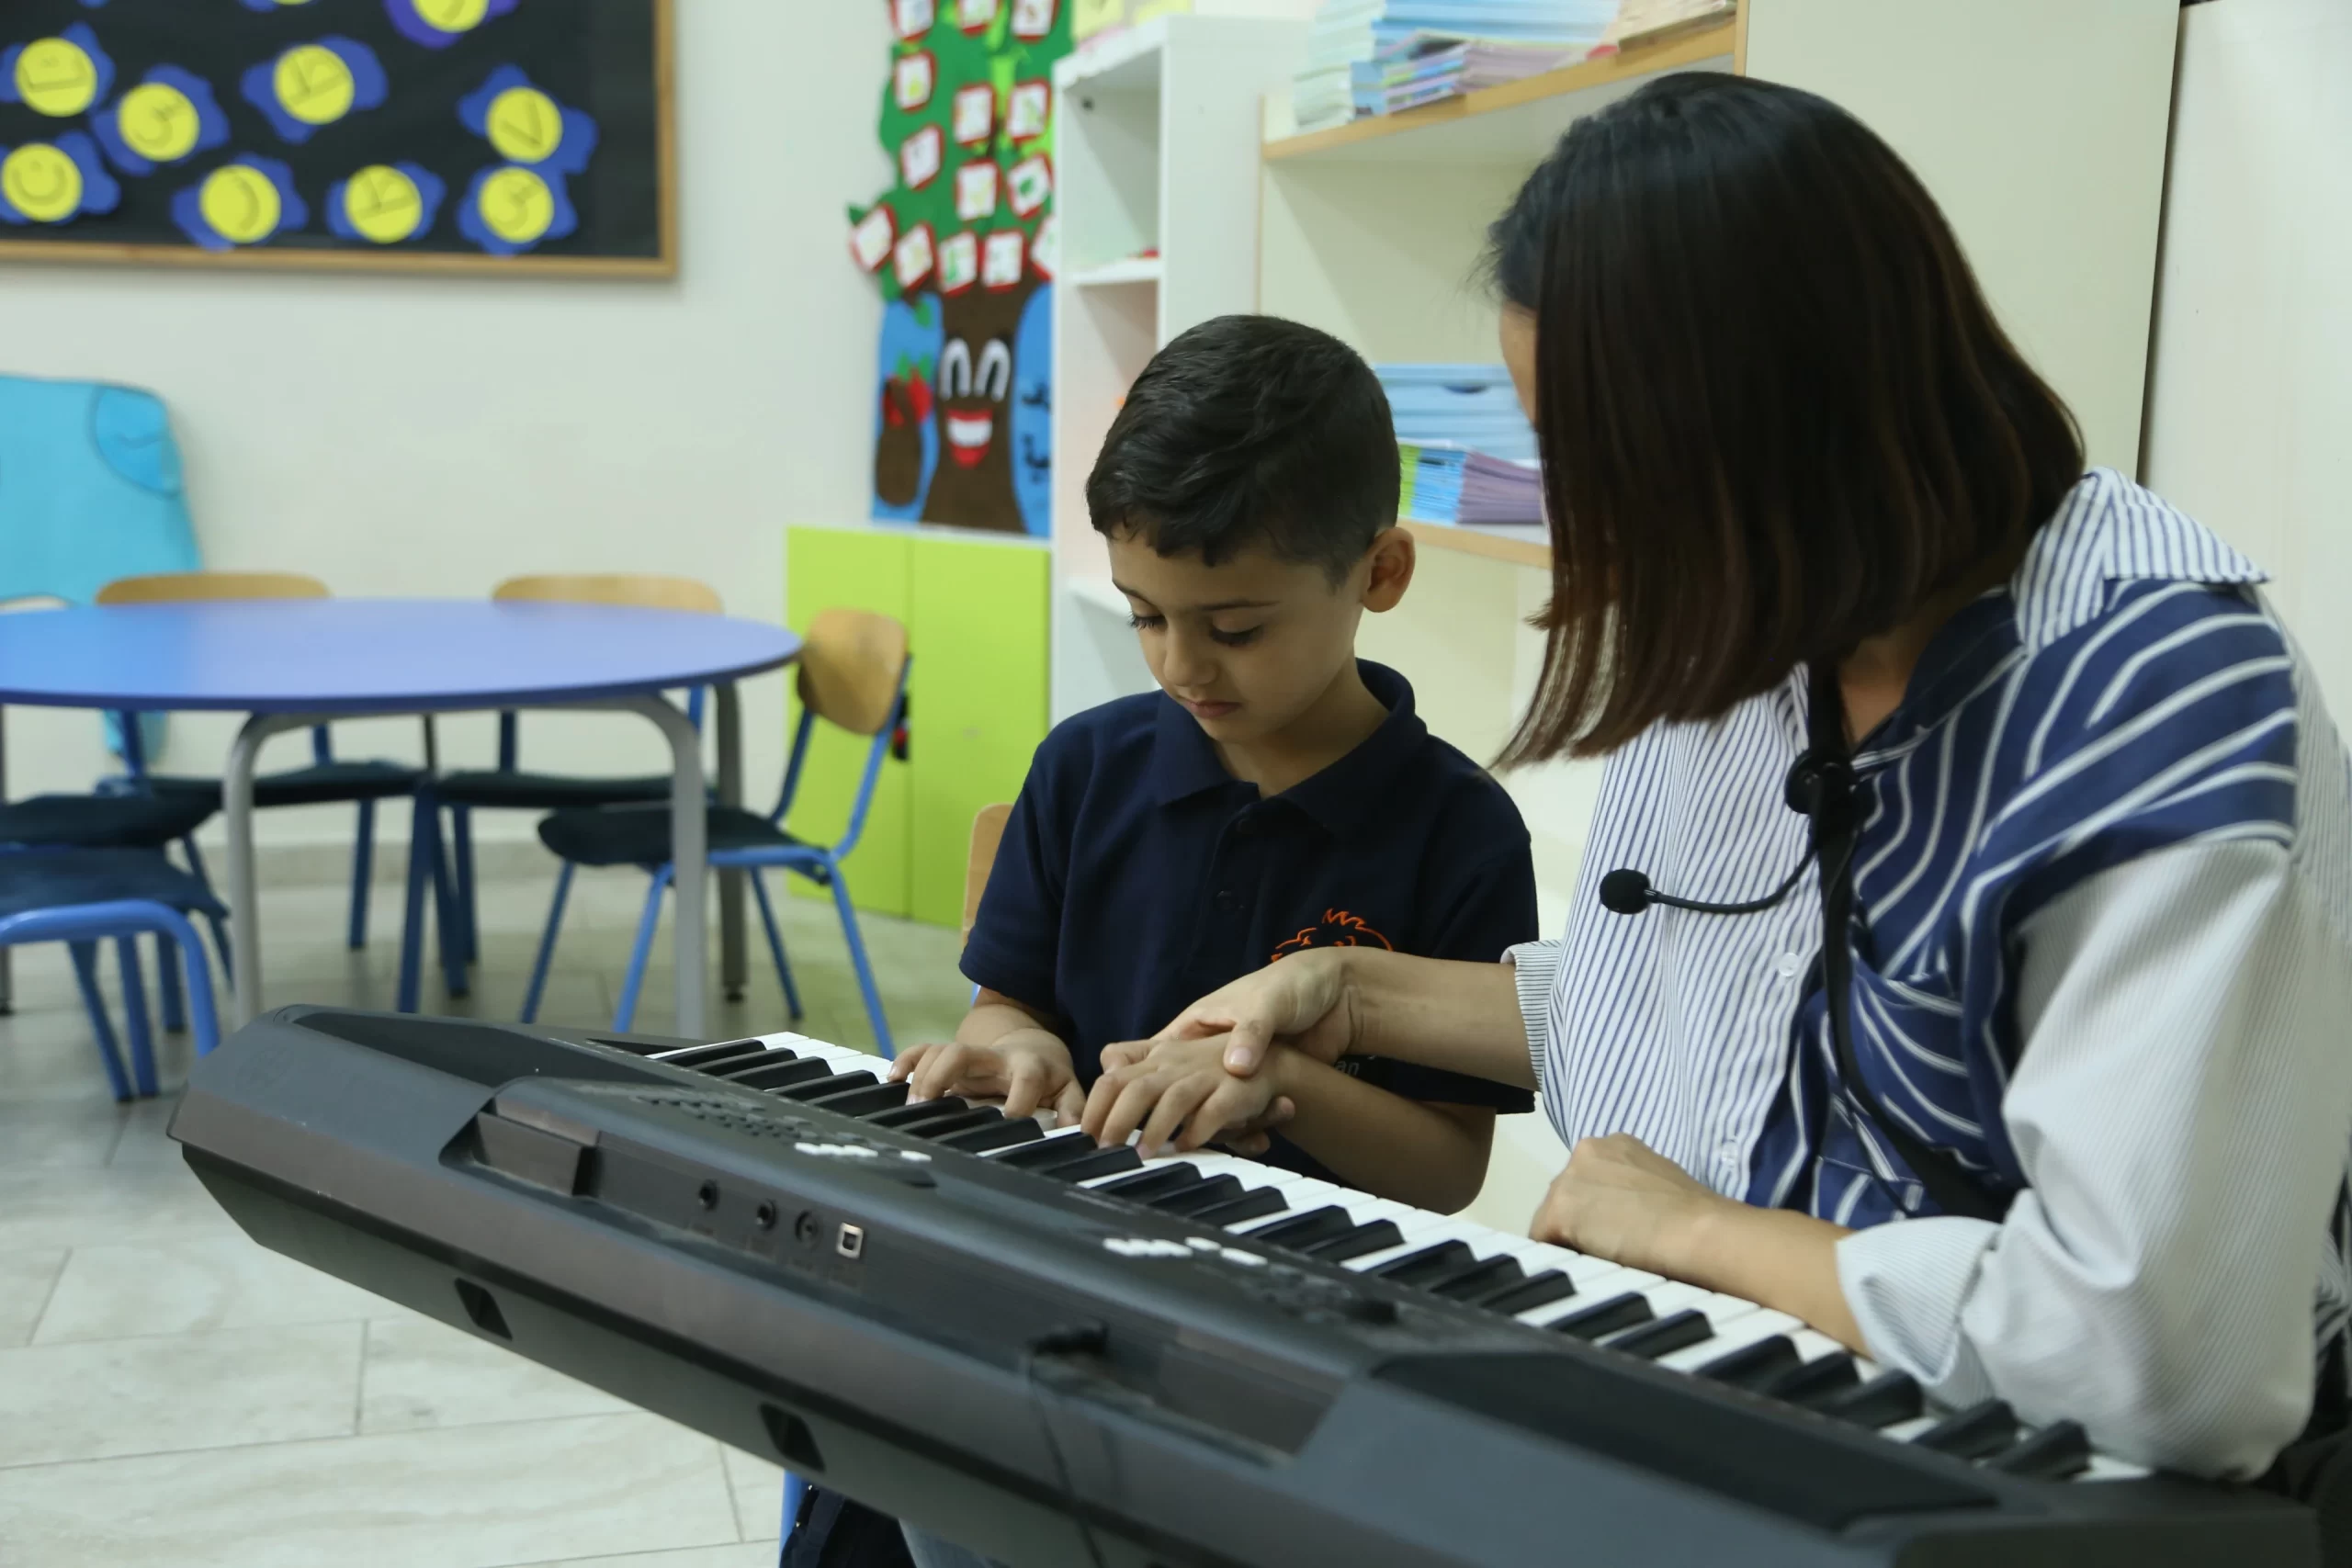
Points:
610	58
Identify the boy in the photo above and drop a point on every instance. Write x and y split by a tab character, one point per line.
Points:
1274	795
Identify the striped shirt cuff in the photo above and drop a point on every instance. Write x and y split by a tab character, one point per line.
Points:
1537	966
1907	1284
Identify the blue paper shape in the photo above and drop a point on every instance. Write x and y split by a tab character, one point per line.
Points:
100	193
187	206
471	225
212	121
416	29
573	149
430	190
369	87
80	36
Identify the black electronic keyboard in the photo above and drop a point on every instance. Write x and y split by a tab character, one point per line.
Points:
1062	1355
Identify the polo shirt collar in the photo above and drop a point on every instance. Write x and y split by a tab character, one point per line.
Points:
1342	797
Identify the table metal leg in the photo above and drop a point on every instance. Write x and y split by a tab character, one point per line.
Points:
731	963
689	852
237	812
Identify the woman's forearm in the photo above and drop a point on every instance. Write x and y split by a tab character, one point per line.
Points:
1387	1145
1440	1013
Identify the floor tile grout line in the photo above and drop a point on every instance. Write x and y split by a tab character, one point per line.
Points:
48	1300
634	1412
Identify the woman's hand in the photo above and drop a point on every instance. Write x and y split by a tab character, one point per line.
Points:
1301	1000
1621	1199
1177	1093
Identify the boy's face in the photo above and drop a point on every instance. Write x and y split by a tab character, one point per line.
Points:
1251	645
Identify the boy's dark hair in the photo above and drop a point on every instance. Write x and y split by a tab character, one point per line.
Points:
1776	414
1249	429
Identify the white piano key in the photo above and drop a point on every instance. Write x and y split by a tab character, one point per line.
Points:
1440	1230
1903	1431
1595	1278
2105	1468
1052	1135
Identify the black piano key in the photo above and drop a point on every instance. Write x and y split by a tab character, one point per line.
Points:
919	1110
1667	1335
1604	1317
1417	1268
776	1075
1756	1366
1005	1131
863	1101
1301	1231
1536	1291
1216	1189
1377	1236
1252	1205
964	1120
2056	1452
1101	1162
1480	1278
1817	1382
1980	1432
1160	1197
1050	1150
1882	1402
817	1088
703	1056
1146	1185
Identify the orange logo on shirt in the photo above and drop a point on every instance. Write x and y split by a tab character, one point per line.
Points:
1337	929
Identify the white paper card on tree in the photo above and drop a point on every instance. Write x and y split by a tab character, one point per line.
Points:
1031	107
976	186
1001	259
959	262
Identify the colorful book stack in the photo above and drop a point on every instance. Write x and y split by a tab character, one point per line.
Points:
1422	68
1347	35
1466	452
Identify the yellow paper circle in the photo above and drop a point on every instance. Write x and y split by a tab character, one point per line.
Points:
452	16
384	204
55	77
158	123
42	182
524	125
240	203
314	83
518	206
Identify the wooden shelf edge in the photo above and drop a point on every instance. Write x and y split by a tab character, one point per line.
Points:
1643	59
1477	541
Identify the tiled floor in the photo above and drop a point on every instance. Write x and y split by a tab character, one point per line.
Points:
172	1394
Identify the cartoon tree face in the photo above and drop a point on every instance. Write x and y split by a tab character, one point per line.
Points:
966	103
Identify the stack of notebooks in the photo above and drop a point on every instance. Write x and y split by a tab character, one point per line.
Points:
1352	45
1468	454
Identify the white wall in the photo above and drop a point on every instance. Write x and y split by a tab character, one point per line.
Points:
2250	403
398	436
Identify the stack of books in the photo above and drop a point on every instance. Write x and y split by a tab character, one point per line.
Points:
1347	34
1467	453
1422	68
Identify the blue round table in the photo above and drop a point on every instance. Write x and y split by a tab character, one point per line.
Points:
293	663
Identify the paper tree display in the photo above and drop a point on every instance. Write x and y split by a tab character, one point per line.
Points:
962	248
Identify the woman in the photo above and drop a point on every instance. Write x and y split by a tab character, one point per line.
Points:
2099	845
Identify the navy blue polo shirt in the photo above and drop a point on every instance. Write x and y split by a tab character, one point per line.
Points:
1136	876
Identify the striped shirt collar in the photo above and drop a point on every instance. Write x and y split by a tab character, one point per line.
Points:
2109	530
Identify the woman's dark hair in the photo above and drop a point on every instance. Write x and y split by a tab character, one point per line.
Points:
1251	430
1776	414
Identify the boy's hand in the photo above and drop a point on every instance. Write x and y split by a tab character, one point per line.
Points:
1027	1069
1179	1094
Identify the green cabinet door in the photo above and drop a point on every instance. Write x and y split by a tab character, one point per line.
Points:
976	702
863	570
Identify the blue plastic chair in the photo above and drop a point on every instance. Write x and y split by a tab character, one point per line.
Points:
853	675
82	897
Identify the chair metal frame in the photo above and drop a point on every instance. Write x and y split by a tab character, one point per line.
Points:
820	864
82	927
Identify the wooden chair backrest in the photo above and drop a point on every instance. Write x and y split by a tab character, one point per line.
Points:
987	832
850	665
167	587
641	589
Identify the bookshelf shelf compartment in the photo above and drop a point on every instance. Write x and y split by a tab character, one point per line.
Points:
1119	274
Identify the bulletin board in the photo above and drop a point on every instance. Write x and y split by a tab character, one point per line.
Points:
487	136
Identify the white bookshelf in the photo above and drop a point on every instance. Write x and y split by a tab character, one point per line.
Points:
1157	137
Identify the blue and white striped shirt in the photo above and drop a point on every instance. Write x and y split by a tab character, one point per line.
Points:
2102	958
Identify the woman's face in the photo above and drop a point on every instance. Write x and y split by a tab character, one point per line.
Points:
1518	331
